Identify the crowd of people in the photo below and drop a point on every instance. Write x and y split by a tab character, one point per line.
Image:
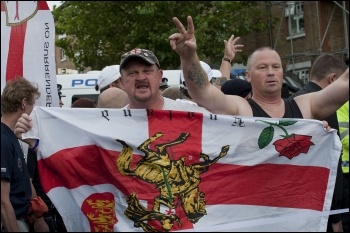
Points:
138	83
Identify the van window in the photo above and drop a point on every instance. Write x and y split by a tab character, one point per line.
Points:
90	96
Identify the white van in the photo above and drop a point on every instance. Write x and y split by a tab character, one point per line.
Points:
173	76
76	86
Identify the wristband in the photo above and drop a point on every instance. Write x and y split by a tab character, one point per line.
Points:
35	146
226	59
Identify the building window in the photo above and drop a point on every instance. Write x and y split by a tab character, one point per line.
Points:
63	55
295	12
303	75
301	70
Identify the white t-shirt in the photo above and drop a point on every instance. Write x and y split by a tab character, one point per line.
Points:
188	106
187	101
170	104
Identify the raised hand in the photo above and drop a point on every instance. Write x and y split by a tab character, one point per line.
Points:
231	48
23	125
184	41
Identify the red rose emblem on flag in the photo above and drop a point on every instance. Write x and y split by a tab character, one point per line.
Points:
293	145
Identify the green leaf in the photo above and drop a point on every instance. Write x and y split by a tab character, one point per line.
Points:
266	137
286	123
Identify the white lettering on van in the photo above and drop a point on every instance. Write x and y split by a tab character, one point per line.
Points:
88	82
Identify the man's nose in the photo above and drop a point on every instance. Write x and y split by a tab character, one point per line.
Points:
141	75
270	71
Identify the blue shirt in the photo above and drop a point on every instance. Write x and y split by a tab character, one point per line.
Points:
14	169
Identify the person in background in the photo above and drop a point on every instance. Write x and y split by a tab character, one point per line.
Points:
112	98
213	74
84	103
237	86
164	85
60	95
109	77
324	71
218	82
52	218
174	93
18	98
343	119
177	93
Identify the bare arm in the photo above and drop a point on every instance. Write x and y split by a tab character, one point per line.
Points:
204	94
8	216
320	105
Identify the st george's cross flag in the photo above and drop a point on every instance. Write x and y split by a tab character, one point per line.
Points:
28	47
160	170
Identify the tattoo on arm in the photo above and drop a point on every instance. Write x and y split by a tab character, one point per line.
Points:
196	76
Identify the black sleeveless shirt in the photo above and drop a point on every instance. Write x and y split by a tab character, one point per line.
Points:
291	109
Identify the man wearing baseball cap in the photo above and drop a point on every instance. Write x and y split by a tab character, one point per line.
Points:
144	54
109	77
140	79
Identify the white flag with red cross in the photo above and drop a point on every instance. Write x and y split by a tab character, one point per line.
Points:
28	47
160	170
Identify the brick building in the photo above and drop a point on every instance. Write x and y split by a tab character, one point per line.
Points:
316	27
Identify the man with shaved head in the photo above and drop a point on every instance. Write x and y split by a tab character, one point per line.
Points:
113	97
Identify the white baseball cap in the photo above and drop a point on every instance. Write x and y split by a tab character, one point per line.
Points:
108	75
210	72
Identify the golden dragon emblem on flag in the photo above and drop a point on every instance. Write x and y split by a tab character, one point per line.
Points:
173	178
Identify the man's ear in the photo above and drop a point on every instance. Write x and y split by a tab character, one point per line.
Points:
332	77
24	104
160	71
121	82
247	76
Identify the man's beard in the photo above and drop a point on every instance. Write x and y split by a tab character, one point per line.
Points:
143	99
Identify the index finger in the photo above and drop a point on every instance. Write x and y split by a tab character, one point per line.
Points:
179	25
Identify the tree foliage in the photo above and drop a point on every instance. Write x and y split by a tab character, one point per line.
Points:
99	32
